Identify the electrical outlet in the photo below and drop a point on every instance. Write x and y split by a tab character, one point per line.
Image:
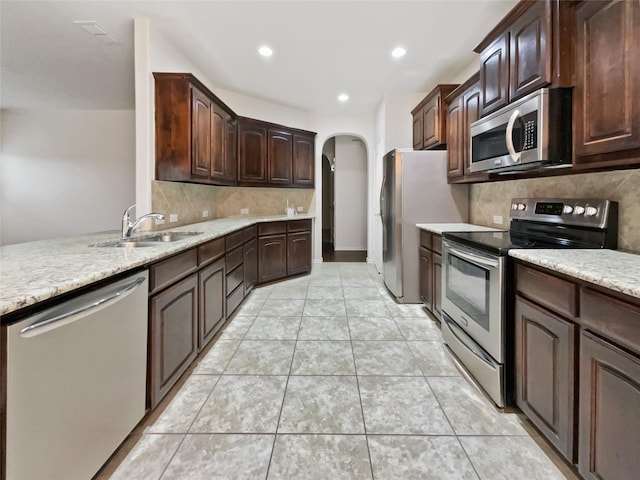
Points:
173	217
497	219
300	209
205	213
244	211
159	221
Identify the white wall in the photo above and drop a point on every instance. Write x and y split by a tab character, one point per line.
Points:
350	194
65	172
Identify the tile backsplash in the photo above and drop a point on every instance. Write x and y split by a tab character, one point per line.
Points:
188	201
622	186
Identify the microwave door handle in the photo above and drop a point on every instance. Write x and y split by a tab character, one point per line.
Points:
473	258
515	156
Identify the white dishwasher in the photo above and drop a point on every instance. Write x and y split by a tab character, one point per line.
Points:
76	382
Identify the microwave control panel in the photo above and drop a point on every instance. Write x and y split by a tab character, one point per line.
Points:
530	135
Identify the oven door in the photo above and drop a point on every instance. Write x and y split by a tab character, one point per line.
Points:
472	294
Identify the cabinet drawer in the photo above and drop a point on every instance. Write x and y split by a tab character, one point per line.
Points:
548	290
234	300
250	233
234	258
272	228
210	251
611	317
425	239
235	278
234	239
299	225
436	243
166	272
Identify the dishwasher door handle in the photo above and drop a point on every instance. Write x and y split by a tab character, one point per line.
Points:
88	303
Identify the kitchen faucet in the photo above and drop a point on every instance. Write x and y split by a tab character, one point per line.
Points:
129	226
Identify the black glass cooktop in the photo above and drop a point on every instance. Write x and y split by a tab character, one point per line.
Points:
499	243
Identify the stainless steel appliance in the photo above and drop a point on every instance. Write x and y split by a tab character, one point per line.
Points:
477	279
76	382
414	190
530	132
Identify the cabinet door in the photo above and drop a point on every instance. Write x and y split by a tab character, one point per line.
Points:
250	265
455	138
609	438
426	278
436	260
607	89
200	134
218	143
545	364
431	134
272	257
212	301
417	130
298	253
471	113
494	74
252	153
231	152
280	157
530	64
174	335
303	160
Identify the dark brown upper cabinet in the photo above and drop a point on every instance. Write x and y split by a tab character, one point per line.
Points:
430	119
193	132
275	155
529	49
607	86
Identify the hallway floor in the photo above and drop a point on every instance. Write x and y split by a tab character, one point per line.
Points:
326	377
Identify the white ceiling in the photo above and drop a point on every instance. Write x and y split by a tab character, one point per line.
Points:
321	48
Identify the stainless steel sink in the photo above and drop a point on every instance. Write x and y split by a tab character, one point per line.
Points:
148	240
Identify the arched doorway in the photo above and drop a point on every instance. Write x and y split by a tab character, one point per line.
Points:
344	199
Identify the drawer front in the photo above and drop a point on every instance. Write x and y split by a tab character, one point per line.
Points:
436	243
250	233
211	251
166	272
425	239
234	258
234	278
548	290
234	239
299	225
272	228
234	300
611	317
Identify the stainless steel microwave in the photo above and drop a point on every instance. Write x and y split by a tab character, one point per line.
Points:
530	132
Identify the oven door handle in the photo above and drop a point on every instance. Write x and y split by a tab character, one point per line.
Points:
515	156
472	258
476	350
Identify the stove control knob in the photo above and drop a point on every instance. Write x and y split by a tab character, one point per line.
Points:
579	210
591	211
567	209
514	206
521	206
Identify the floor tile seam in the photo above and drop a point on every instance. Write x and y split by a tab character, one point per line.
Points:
466	454
440	405
173	455
195	417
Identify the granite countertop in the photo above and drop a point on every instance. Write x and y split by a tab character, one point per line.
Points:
440	228
36	271
612	269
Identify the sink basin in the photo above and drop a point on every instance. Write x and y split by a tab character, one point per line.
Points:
148	240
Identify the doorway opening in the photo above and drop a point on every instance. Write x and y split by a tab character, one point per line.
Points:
344	199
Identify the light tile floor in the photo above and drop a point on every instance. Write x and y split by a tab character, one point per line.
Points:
326	377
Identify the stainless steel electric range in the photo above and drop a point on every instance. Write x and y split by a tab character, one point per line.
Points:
477	279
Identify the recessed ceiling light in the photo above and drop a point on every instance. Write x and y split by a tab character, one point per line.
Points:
398	52
265	51
343	97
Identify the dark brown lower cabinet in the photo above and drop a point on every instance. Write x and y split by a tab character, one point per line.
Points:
272	257
250	265
174	335
609	445
426	277
298	253
211	281
545	350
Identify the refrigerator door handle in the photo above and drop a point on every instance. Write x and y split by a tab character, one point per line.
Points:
382	202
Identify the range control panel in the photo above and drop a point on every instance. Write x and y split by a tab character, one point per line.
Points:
570	211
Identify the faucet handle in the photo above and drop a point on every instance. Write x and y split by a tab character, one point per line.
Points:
128	210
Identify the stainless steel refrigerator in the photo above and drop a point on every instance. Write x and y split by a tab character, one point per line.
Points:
414	190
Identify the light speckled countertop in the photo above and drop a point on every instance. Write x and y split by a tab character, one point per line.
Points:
440	228
618	271
36	271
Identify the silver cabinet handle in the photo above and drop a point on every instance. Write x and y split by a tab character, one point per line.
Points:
477	351
509	137
60	316
472	258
